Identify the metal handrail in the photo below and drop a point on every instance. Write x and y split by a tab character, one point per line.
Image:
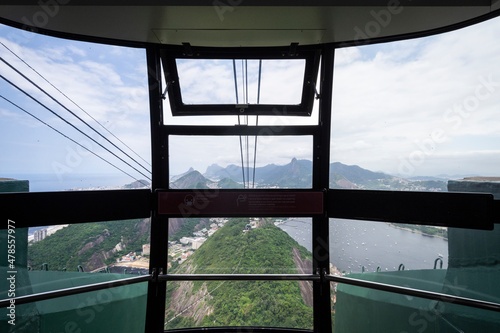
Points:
475	303
74	290
239	277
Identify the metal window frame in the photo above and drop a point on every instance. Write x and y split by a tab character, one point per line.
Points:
79	207
169	55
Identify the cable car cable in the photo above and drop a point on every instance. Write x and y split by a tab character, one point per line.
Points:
237	102
256	124
69	123
72	101
59	103
74	141
246	117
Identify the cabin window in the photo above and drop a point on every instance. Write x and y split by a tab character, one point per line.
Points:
207	81
108	146
240	81
405	117
241	161
106	87
416	115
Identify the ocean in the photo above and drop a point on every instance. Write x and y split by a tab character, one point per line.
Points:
357	245
51	182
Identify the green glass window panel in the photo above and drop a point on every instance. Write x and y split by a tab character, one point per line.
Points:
240	246
237	303
224	162
360	309
461	262
76	255
119	309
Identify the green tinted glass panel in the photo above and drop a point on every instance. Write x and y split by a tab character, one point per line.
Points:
240	246
228	162
119	309
239	303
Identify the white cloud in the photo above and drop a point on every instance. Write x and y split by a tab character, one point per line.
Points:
395	104
114	95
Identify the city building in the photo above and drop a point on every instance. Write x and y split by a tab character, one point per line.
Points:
145	249
40	235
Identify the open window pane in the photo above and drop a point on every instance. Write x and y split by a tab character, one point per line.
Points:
224	81
239	81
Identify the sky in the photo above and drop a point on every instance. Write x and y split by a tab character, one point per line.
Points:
421	107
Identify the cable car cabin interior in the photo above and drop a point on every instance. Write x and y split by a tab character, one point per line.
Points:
351	156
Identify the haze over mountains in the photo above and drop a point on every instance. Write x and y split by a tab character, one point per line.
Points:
298	174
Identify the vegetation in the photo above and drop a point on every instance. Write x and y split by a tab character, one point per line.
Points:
228	183
423	229
186	230
266	249
89	244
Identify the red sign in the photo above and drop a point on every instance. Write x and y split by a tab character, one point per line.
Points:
240	203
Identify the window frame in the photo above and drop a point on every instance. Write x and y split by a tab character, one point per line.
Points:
148	201
170	54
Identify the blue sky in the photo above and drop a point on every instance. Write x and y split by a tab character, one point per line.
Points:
419	107
107	82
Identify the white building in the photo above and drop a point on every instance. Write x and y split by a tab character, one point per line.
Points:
40	235
145	249
197	243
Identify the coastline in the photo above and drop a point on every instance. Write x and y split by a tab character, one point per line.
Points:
134	264
416	231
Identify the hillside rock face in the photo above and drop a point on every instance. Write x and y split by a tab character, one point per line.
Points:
99	258
138	184
90	245
304	267
174	224
192	180
187	302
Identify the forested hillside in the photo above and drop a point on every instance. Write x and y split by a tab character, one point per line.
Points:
266	249
91	245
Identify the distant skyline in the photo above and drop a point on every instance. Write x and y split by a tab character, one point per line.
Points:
420	107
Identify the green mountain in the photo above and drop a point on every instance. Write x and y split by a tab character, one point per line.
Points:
195	180
228	183
298	174
237	249
137	184
191	180
91	245
356	174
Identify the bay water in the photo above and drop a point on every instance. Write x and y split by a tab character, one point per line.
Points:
357	245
